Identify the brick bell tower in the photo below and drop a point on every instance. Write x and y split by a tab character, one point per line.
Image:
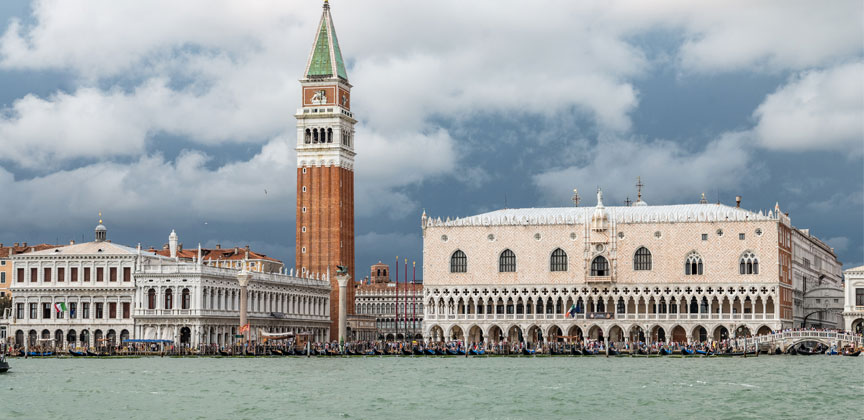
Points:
325	166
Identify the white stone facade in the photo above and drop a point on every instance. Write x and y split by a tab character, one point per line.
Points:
853	306
817	276
657	302
382	301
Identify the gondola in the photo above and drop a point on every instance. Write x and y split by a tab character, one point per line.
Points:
477	352
612	352
554	352
300	352
792	351
526	352
852	354
451	352
665	352
418	352
277	352
575	352
702	352
589	352
642	352
430	352
807	352
832	352
221	353
77	353
406	352
40	353
380	352
4	365
686	352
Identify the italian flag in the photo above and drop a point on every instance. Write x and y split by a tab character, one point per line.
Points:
60	307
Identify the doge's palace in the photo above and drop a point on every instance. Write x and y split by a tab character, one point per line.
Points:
665	273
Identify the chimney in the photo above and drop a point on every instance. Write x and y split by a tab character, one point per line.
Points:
72	242
247	248
236	250
737	201
25	245
218	246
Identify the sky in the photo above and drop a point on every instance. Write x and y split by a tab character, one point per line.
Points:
179	115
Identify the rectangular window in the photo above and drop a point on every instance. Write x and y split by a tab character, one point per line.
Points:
100	273
73	274
85	310
34	275
126	310
46	311
100	310
704	236
73	310
86	273
34	311
859	297
46	276
19	311
2	262
61	274
3	277
20	275
741	236
127	274
112	273
112	310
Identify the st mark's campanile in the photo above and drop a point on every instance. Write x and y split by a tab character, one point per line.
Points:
325	167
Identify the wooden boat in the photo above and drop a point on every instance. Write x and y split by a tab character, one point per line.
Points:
4	365
431	352
277	352
612	352
526	352
852	354
575	352
406	352
77	353
665	352
417	351
380	352
702	352
477	352
40	353
832	352
450	352
807	352
589	352
301	352
642	351
93	354
686	352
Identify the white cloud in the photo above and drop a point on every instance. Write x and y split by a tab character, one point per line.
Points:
816	110
668	171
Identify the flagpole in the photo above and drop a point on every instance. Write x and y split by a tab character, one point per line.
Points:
396	308
413	297
406	296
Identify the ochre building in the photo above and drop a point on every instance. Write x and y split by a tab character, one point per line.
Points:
661	273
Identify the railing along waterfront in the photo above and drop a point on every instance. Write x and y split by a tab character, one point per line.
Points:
228	272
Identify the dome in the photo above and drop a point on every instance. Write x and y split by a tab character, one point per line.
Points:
101	228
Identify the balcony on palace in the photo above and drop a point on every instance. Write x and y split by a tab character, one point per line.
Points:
609	316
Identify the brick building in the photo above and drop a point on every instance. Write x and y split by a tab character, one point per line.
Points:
325	166
379	297
676	272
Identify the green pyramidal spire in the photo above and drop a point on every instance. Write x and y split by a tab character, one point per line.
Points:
326	58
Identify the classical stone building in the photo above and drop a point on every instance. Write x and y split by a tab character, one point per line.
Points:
672	272
853	306
325	166
235	258
817	277
192	304
6	254
100	293
398	313
80	294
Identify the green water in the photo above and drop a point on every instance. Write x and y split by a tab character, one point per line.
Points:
441	388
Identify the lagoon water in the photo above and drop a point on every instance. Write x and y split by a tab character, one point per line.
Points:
428	387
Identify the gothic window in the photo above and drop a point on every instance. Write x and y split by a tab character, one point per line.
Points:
329	135
308	137
693	265
558	262
621	307
151	299
748	264
599	267
458	262
314	135
169	299
642	260
185	299
507	262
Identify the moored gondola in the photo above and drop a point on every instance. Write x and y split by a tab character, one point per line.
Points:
852	353
526	352
665	352
277	352
575	351
40	353
477	352
612	352
77	353
431	352
4	365
406	352
417	351
686	352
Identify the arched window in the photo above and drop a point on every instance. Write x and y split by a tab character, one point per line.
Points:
642	259
169	299
385	272
308	137
507	262
749	264
693	265
379	273
599	267
329	135
186	299
151	299
558	262
458	262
